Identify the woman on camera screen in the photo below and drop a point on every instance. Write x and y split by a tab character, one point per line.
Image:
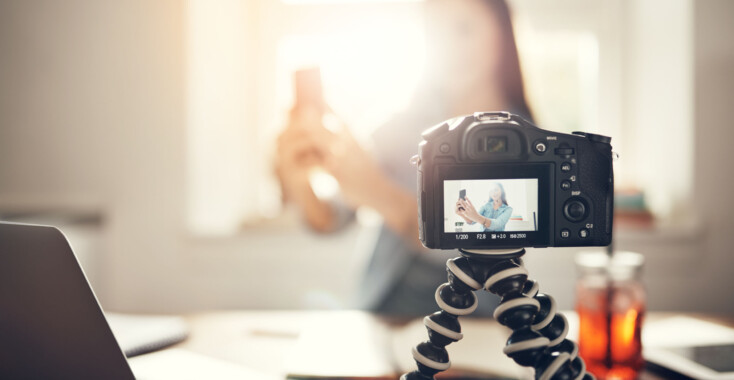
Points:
493	216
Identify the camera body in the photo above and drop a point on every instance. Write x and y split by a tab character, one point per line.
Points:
524	186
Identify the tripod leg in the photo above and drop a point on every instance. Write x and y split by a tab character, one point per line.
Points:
539	333
455	298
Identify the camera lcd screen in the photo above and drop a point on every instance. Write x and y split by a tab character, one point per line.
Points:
491	205
495	205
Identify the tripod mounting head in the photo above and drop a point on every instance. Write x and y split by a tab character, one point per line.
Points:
493	254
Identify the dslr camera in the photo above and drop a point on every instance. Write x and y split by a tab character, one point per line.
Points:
493	180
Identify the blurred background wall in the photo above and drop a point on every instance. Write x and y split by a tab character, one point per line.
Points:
95	120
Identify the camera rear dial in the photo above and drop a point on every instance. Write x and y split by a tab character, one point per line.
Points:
575	210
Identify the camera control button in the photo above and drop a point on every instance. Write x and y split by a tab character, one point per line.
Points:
564	151
444	148
574	210
566	185
540	147
583	233
565	233
566	167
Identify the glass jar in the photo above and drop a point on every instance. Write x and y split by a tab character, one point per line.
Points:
610	302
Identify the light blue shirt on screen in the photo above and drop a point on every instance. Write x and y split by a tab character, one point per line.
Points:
498	218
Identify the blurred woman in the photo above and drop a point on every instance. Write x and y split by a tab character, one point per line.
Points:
472	66
493	215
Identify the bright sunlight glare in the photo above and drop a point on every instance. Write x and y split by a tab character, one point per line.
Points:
368	74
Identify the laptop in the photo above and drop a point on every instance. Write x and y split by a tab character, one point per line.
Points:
51	325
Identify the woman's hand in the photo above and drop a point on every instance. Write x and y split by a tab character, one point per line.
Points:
300	148
356	170
296	154
458	208
470	212
306	144
363	183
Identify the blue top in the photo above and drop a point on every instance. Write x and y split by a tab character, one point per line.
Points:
498	217
396	267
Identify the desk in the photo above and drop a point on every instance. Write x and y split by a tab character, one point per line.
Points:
263	341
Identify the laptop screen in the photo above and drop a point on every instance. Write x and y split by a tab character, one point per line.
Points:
51	325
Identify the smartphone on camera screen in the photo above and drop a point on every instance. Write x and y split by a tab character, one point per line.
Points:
462	196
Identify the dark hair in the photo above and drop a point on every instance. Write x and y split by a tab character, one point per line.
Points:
503	196
509	74
509	67
508	70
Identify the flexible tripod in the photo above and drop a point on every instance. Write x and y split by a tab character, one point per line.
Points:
538	336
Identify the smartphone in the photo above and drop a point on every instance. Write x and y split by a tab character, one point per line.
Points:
309	89
696	361
462	195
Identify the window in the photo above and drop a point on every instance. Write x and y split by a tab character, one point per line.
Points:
623	69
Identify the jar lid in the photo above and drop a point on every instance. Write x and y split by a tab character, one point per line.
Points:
620	264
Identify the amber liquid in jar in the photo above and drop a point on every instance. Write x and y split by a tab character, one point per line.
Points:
610	302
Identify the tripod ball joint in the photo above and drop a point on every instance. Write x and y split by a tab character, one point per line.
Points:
526	346
569	347
556	366
443	328
531	288
455	302
546	312
431	359
516	311
461	276
562	362
507	278
556	330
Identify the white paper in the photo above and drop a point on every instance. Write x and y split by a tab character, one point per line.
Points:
180	364
342	344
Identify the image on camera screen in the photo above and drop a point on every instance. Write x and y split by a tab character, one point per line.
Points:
489	205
